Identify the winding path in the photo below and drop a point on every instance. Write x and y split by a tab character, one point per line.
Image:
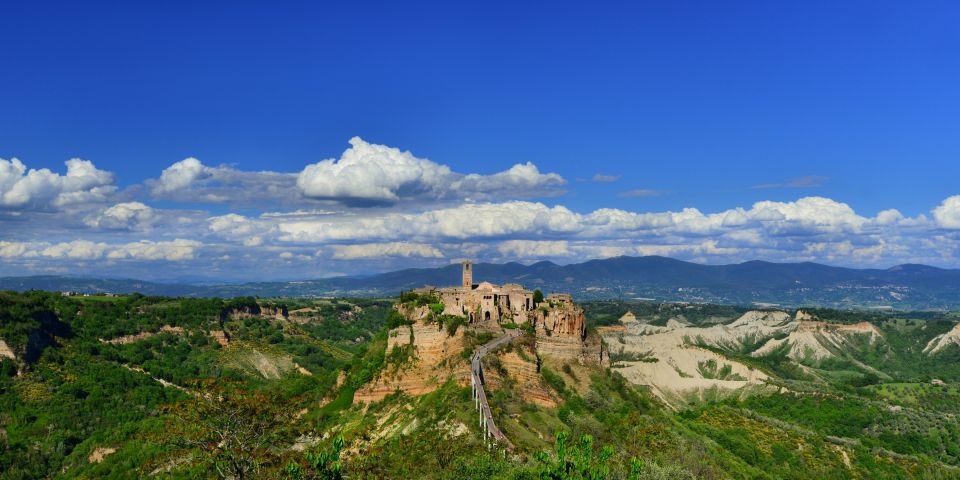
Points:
480	397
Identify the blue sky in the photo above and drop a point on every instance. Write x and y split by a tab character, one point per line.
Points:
677	105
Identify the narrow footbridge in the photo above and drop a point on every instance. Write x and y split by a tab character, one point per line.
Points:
490	429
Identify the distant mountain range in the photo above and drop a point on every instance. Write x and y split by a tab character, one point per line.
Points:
644	278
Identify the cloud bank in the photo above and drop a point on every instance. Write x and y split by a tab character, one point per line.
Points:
376	207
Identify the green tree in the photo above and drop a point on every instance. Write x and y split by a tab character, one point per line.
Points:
231	431
574	462
321	464
396	319
537	297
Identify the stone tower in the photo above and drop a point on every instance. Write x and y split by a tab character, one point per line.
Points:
467	275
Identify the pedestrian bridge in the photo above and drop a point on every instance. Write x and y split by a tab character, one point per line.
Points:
490	430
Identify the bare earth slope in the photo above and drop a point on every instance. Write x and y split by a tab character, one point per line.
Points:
672	361
941	341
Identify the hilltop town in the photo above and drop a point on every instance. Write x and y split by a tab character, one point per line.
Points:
439	328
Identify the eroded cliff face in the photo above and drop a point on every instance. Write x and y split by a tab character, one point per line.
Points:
943	340
524	372
221	337
432	343
561	331
434	357
142	335
676	360
278	312
239	313
560	321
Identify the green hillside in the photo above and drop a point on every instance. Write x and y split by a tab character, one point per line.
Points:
160	387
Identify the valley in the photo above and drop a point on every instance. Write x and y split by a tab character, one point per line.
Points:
120	387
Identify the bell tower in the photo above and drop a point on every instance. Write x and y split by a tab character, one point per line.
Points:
467	275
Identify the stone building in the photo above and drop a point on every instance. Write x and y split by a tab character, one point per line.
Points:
557	318
484	301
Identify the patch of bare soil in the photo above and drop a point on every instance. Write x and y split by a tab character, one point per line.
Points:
100	453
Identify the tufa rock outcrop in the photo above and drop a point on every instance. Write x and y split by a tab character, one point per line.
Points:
430	355
434	358
239	312
561	330
524	371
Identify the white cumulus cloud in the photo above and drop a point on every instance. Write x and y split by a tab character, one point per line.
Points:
520	180
947	214
129	215
364	175
42	189
373	173
181	175
237	228
189	180
13	249
77	249
370	174
889	217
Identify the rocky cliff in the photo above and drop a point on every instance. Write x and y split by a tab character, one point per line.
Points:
434	358
143	335
561	331
524	372
278	312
